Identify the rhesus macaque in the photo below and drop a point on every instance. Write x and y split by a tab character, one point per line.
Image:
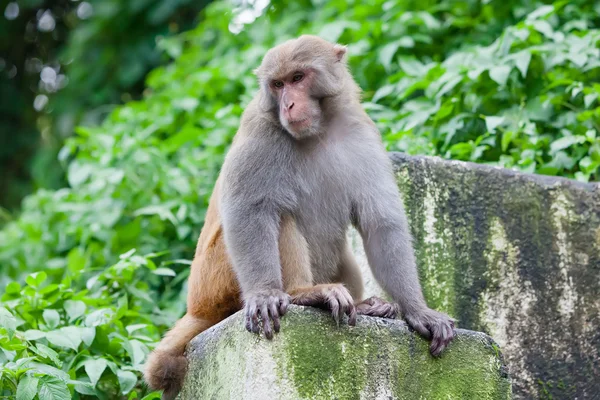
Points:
306	163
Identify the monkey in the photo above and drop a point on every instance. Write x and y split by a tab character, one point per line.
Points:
306	163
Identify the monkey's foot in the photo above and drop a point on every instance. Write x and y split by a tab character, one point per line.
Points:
334	297
376	307
270	305
432	325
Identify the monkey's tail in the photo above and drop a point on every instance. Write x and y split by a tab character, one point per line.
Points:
166	366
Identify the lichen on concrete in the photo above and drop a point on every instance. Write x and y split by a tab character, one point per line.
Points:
313	358
516	256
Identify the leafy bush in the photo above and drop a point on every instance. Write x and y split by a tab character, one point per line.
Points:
509	83
57	339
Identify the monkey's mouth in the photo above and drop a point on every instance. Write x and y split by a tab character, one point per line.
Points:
299	122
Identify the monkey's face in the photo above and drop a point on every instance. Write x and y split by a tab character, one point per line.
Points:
299	112
295	76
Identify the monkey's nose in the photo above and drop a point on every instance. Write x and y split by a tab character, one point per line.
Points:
290	106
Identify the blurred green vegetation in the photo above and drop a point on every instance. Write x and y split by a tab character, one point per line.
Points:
64	63
95	272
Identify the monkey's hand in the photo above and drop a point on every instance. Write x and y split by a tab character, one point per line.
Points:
334	297
270	305
376	307
432	325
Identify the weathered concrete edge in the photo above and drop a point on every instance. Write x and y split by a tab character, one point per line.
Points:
399	159
228	347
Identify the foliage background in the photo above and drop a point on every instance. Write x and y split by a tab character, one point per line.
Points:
95	271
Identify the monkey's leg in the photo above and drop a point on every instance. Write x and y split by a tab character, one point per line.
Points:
332	296
298	279
350	275
294	255
376	307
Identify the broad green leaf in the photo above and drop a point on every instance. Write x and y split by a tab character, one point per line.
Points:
164	272
69	337
45	369
85	388
74	309
8	321
94	369
47	352
36	279
541	11
88	334
127	381
589	99
491	123
99	317
53	389
34	334
27	388
13	288
52	318
137	351
500	74
522	60
565	142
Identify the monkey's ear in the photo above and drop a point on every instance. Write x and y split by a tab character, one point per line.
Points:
339	51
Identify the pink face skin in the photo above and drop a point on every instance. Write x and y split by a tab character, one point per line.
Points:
299	113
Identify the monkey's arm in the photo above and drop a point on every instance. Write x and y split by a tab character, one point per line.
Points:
380	218
251	216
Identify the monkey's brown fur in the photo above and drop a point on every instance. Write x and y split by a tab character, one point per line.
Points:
214	294
306	163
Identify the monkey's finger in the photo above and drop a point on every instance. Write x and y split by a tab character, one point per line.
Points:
250	310
283	305
348	307
254	319
334	306
352	315
420	328
274	312
442	335
266	321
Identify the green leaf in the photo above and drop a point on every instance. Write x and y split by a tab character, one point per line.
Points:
69	337
137	351
491	123
164	272
84	388
74	309
507	138
47	352
13	288
500	74
8	321
27	388
589	99
99	317
541	11
34	334
94	369
51	318
53	389
565	142
522	60
36	279
45	369
127	381
88	334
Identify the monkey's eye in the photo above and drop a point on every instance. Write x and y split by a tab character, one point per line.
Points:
278	84
298	77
